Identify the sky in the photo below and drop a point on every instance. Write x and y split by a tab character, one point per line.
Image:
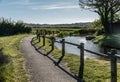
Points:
46	11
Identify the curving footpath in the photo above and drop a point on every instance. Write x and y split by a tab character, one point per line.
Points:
41	68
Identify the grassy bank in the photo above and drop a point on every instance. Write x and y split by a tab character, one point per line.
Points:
108	40
95	70
11	60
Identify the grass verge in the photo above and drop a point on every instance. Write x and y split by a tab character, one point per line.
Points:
108	40
11	65
95	70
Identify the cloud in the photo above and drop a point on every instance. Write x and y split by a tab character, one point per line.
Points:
55	6
41	5
61	7
19	2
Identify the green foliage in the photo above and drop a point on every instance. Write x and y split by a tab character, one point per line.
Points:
62	34
71	33
108	40
98	39
97	24
99	32
117	18
9	27
65	31
85	31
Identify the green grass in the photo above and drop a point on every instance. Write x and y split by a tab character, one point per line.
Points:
11	67
95	70
108	40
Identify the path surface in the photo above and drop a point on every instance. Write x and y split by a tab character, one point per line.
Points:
41	68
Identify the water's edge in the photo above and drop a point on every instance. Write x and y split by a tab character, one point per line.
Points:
81	39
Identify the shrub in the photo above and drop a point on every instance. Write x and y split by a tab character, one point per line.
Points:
99	32
62	34
9	27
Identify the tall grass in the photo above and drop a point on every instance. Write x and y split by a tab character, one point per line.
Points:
11	60
10	27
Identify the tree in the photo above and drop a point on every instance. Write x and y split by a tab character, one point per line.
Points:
97	24
106	9
117	18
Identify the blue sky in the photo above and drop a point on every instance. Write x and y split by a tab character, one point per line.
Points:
45	11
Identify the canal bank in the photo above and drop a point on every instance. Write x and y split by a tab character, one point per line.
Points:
112	41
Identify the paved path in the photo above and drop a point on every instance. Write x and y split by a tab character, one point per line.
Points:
41	68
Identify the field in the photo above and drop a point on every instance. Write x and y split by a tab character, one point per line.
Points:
66	31
11	60
57	28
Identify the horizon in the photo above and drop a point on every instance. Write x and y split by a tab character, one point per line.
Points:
46	12
59	23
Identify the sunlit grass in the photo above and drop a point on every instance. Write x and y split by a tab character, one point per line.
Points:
95	70
12	70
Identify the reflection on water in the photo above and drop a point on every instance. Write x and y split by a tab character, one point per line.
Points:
74	50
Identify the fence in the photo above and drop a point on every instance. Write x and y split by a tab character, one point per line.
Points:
111	55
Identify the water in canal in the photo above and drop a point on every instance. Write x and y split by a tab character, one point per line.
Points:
74	50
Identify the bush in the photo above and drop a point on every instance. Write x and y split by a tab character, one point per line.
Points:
62	34
85	31
99	32
9	27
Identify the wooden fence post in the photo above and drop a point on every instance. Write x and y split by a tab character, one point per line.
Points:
41	32
63	51
63	47
81	68
43	40
39	38
113	65
49	33
52	39
37	34
53	33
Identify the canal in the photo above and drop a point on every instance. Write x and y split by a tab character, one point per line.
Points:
81	39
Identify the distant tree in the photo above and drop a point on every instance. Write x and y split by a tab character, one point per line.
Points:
104	8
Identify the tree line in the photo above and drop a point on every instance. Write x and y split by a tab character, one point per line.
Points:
10	27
